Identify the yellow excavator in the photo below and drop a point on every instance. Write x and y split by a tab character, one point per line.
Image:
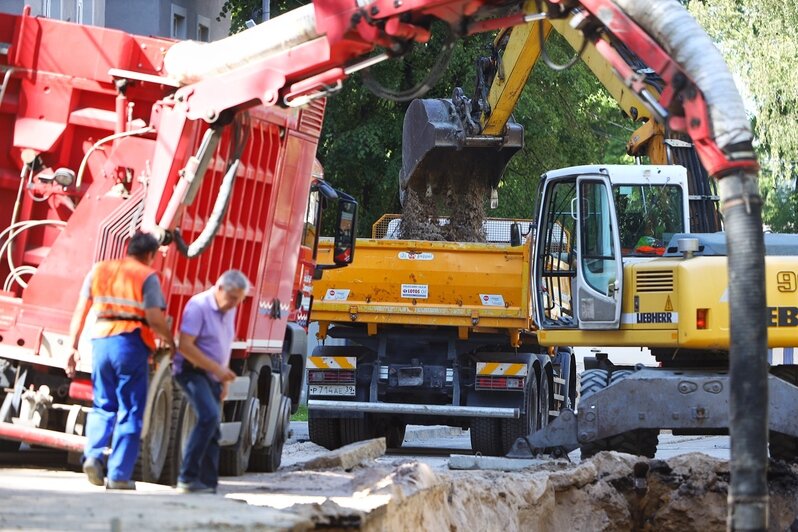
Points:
477	136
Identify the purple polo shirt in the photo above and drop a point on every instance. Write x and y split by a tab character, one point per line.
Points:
214	330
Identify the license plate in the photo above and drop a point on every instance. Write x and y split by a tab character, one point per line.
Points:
327	389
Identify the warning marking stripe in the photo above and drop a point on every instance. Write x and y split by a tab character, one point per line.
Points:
332	362
500	368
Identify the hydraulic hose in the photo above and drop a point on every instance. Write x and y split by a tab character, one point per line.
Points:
214	221
687	43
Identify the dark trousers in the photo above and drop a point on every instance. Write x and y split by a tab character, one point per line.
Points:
119	383
201	452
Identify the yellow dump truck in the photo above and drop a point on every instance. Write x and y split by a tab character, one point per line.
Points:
442	335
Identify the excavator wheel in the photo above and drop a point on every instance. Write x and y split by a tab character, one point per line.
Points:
324	431
486	436
592	381
783	446
528	421
642	442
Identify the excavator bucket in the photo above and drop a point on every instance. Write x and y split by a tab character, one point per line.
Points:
437	152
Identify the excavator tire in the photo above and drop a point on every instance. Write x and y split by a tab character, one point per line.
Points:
486	436
783	446
592	381
324	431
528	421
641	442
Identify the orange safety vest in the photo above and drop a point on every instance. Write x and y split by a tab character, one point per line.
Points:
117	292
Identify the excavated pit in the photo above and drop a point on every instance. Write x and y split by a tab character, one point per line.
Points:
610	491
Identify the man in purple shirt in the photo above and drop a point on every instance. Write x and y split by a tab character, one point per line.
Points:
201	369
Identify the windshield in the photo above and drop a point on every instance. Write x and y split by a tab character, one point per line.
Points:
648	216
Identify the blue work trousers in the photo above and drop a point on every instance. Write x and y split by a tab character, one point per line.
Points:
119	381
201	452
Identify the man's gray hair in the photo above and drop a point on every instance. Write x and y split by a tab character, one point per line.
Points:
233	280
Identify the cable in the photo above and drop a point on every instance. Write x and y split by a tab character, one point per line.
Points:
420	89
13	231
140	131
545	54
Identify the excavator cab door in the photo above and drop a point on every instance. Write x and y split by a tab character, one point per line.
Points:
599	266
577	269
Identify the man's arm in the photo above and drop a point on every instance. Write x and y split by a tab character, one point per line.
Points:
156	318
154	303
192	353
75	330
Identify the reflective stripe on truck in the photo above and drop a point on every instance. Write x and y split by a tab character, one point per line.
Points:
332	362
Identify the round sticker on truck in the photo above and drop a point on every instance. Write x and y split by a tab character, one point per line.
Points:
336	294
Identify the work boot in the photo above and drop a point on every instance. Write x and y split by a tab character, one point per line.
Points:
194	487
94	471
120	485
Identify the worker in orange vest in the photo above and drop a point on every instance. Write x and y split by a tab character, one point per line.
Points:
126	298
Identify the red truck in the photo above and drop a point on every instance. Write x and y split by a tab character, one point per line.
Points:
83	134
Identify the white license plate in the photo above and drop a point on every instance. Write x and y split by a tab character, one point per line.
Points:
327	389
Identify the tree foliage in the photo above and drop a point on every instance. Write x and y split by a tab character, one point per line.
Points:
758	40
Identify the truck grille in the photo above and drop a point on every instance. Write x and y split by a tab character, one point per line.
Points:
331	376
654	281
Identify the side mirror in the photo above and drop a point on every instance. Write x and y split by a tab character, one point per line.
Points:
515	234
344	244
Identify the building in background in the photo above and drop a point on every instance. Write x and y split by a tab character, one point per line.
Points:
178	19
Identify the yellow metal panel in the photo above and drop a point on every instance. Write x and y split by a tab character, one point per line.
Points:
518	59
427	283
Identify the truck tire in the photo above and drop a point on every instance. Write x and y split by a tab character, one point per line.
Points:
182	422
395	435
354	430
486	436
157	428
783	446
324	431
544	401
234	460
640	442
527	422
590	382
267	459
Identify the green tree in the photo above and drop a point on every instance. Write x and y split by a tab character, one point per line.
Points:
759	41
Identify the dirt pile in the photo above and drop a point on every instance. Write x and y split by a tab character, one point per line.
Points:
460	202
608	492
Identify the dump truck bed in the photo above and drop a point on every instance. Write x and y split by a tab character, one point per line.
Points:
404	282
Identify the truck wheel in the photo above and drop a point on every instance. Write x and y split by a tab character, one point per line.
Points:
486	436
527	422
354	430
268	458
641	442
544	401
783	446
590	382
324	431
157	429
183	420
395	435
234	460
